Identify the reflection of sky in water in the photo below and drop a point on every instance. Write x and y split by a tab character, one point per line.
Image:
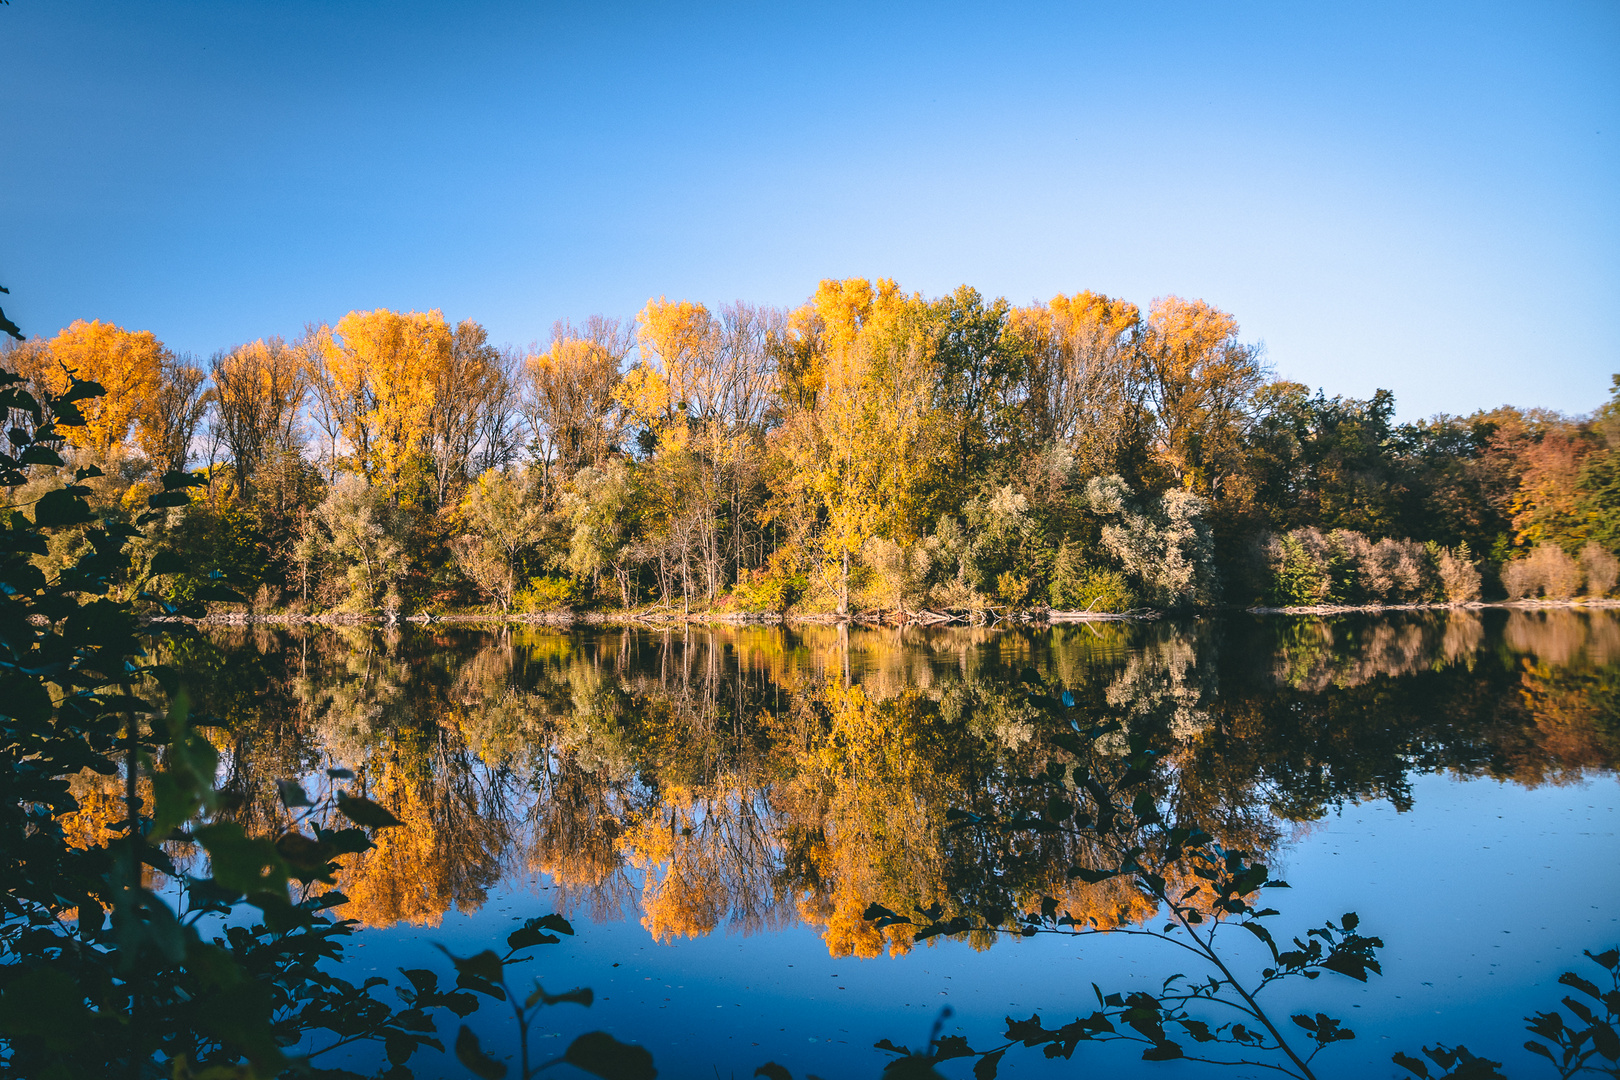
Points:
1484	891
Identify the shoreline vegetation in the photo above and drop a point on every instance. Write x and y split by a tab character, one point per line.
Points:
923	619
871	456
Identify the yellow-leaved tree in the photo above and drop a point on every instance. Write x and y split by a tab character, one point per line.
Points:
1199	381
128	364
859	458
1081	386
381	369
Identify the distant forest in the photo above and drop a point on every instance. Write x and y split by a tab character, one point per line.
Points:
872	450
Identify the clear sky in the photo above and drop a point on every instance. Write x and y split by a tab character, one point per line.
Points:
1423	197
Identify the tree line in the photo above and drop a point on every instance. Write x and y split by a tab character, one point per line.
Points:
871	449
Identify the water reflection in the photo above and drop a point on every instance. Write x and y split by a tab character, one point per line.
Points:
750	778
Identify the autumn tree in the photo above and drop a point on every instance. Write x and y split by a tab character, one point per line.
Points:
175	412
128	365
859	459
1198	380
1081	389
382	370
573	415
502	521
258	390
469	425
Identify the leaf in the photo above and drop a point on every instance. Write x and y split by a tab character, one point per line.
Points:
219	594
1608	959
532	932
471	1055
1412	1065
164	499
952	1046
580	995
1165	1051
484	965
247	865
62	506
166	562
362	811
292	794
985	1067
1091	877
772	1071
602	1055
340	774
1605	1039
174	481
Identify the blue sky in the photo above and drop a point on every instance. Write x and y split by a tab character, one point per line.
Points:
1423	197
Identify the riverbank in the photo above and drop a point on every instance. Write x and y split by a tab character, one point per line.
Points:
982	617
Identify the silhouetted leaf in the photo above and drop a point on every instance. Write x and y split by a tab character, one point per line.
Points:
61	506
1412	1065
471	1055
602	1055
985	1067
292	794
362	811
580	995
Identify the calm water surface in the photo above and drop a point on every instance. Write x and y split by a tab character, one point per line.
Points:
715	809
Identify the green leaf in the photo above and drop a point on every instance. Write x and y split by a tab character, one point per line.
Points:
528	936
47	1005
176	481
1605	1040
600	1054
471	1055
244	864
79	390
480	973
363	811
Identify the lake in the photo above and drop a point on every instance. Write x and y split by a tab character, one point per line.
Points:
715	809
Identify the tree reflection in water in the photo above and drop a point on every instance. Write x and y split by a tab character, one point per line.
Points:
755	776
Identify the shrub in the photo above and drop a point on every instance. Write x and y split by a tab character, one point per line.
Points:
546	594
1305	569
1601	567
1092	588
1459	577
1391	571
1547	571
1166	548
776	586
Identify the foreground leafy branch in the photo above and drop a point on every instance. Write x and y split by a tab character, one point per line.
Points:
117	956
1106	804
